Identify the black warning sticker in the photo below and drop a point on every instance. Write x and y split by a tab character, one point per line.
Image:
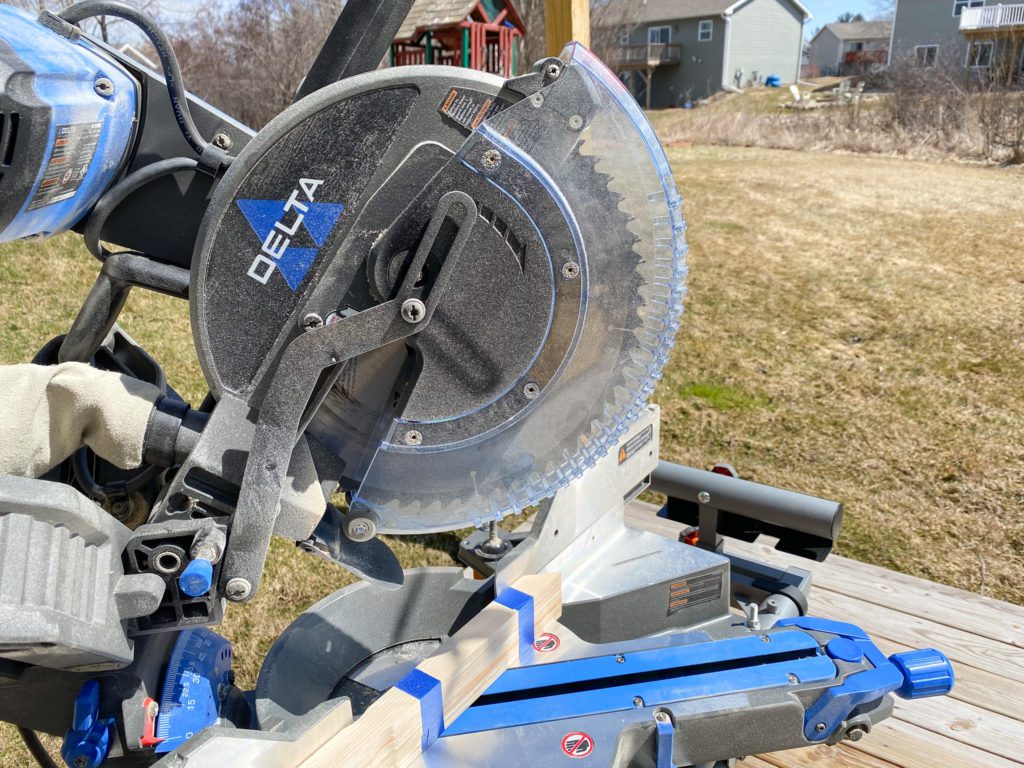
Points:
687	593
632	447
469	108
73	149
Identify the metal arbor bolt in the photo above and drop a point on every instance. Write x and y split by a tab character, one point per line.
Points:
413	437
360	529
104	86
237	589
413	310
491	159
704	497
570	270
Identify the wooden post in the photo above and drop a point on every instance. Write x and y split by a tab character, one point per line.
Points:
565	21
393	732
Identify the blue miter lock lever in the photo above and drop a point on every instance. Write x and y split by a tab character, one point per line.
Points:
910	675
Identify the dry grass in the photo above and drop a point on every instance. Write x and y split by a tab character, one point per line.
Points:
853	330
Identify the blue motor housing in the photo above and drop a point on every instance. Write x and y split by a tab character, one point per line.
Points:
68	114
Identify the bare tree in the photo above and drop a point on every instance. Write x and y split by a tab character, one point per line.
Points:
110	30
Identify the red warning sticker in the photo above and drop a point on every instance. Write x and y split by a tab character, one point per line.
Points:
546	643
577	744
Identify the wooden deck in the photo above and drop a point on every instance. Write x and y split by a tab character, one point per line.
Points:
980	725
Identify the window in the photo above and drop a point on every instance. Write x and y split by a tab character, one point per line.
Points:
980	54
857	47
657	35
704	30
926	55
624	37
959	5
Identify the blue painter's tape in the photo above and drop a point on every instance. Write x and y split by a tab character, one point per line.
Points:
427	689
522	604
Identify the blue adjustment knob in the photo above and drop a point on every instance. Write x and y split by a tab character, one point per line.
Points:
87	743
925	673
197	578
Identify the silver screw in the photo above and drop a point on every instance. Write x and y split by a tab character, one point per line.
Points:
553	71
531	390
704	497
413	310
104	86
81	761
819	727
360	529
661	717
413	437
237	589
620	659
570	270
491	159
222	141
765	639
638	701
576	122
856	733
793	678
311	321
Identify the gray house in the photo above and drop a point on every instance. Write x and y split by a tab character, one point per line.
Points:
673	50
983	37
844	48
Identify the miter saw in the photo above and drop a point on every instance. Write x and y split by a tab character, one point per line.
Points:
423	298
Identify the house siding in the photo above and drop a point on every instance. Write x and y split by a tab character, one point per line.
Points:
698	74
825	51
766	39
928	22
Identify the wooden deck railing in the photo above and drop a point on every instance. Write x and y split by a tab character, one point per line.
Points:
992	17
651	55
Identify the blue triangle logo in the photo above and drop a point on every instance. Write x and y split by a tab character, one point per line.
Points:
319	220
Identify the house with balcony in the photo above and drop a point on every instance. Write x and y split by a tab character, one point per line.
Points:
985	39
670	51
848	48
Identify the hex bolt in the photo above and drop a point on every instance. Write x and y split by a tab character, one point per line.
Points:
662	717
413	310
856	733
360	529
222	141
237	589
530	390
704	497
638	701
819	727
104	86
413	437
491	159
553	71
570	270
576	122
311	321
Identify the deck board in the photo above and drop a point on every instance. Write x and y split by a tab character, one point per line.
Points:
981	725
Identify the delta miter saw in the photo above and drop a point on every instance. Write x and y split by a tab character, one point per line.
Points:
424	299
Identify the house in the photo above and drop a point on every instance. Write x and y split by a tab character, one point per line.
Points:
673	50
479	34
983	38
851	47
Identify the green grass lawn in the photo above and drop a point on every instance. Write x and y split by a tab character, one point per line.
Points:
854	329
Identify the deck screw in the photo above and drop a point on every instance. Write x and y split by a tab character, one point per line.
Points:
570	270
531	390
237	589
638	701
704	497
413	437
491	159
222	141
104	86
819	727
413	310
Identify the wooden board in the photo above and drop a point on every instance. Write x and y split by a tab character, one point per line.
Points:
389	734
980	725
565	21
